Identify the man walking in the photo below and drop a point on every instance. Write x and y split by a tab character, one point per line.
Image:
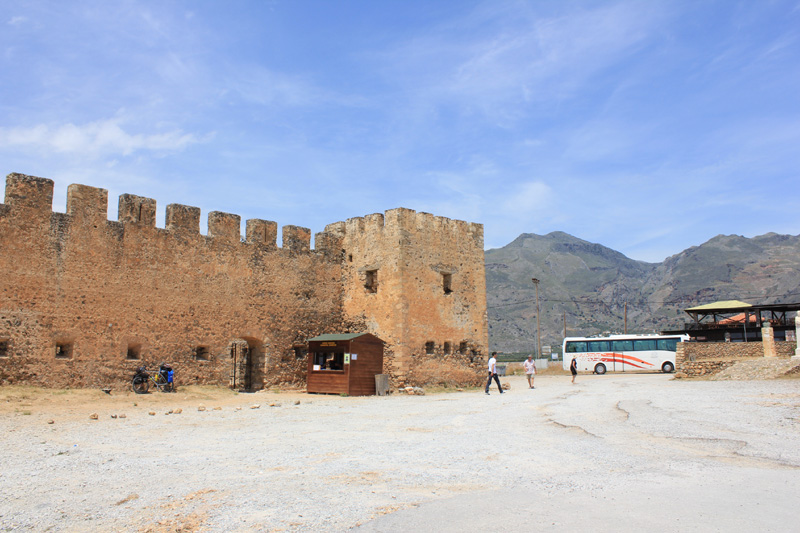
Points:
493	373
530	371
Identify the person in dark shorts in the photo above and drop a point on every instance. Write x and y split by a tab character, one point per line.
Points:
573	368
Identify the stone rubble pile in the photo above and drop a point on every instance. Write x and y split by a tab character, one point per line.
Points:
768	368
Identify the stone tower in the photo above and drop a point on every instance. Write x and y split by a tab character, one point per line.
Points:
418	282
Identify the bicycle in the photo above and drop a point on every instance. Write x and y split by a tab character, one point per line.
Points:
163	380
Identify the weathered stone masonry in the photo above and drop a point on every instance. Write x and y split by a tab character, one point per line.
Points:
86	300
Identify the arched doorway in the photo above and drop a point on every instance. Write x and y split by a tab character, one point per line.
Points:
246	365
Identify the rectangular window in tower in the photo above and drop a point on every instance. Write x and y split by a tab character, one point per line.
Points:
430	347
447	348
134	351
447	283
63	350
4	351
201	353
371	281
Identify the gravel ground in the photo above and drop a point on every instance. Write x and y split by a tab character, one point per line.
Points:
610	453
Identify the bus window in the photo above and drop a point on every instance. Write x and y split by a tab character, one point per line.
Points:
576	347
668	344
641	345
598	346
622	346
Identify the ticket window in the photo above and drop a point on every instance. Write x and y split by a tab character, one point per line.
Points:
328	361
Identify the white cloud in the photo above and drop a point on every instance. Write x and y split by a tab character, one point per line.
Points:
17	21
527	197
99	138
519	57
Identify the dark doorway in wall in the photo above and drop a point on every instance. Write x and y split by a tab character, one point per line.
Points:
247	365
241	366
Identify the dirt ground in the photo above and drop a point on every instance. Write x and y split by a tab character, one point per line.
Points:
609	453
75	403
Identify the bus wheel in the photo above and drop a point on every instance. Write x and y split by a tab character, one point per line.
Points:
600	369
667	367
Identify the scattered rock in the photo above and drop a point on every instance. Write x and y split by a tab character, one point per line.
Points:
113	416
255	406
177	411
201	408
93	416
123	415
297	402
506	386
152	413
238	408
274	404
51	421
218	408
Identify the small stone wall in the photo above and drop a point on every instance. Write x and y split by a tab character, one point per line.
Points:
703	368
698	351
694	359
785	348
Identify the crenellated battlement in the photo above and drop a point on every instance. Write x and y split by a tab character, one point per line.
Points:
29	193
89	205
31	196
137	210
404	219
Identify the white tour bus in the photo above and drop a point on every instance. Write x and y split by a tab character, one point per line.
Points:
622	353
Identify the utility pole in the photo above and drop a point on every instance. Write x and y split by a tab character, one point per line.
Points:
626	318
538	331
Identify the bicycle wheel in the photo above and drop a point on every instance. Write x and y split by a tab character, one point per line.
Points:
140	385
161	382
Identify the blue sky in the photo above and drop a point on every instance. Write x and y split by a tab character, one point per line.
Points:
646	126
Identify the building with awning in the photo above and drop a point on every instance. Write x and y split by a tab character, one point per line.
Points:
737	321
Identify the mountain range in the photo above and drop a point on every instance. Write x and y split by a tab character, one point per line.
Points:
587	288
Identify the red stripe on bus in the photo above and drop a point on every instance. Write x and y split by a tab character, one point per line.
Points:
624	359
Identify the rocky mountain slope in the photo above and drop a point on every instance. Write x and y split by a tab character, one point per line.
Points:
590	288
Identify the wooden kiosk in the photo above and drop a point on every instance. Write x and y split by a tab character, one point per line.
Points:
344	363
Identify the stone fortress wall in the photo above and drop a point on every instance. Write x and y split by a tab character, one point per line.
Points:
86	300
